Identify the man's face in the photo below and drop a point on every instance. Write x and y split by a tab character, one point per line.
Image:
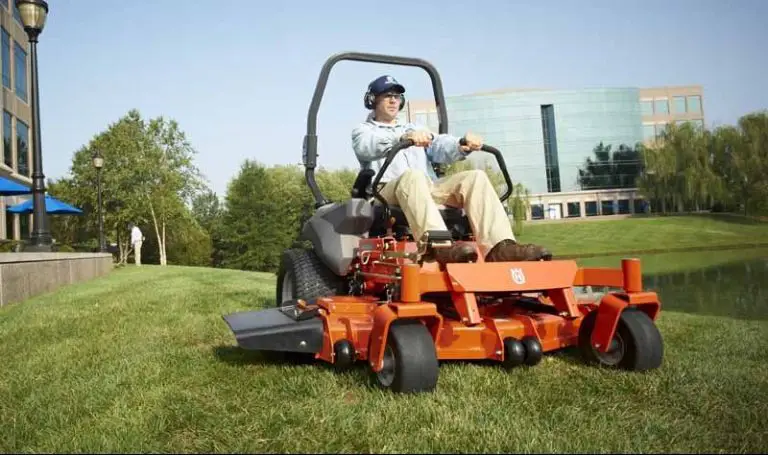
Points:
388	105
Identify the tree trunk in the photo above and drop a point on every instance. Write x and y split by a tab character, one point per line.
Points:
123	248
746	200
157	232
163	257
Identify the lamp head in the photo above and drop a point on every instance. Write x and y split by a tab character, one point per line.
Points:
98	160
33	14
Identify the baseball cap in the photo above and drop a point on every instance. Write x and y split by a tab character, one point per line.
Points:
385	83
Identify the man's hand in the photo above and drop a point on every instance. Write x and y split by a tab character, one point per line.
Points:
474	142
419	138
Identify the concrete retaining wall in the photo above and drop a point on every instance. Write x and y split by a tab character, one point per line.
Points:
24	275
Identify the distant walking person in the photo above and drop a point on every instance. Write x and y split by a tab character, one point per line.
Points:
137	238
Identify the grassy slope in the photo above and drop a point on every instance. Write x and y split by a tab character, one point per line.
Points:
643	234
141	361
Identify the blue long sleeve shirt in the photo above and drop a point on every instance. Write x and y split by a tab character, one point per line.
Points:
371	140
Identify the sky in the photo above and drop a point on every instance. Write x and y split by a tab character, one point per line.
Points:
239	75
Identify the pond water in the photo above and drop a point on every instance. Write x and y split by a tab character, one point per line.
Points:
732	283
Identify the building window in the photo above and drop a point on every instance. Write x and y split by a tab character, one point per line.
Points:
646	107
4	3
694	104
24	226
607	208
648	131
623	206
679	103
537	211
639	205
6	62
550	148
574	209
22	148
20	61
661	106
590	208
660	128
9	223
7	140
16	14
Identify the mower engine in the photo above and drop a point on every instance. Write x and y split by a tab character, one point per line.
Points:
377	268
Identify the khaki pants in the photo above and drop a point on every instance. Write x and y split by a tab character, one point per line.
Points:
137	252
419	198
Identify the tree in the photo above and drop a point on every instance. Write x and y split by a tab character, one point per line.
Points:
263	212
656	181
148	177
70	231
208	212
122	186
690	167
169	174
519	203
749	162
190	244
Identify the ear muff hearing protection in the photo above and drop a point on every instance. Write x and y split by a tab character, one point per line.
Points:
369	100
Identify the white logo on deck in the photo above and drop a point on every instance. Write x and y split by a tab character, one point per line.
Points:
518	276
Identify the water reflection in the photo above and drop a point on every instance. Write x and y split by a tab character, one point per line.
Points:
734	287
738	290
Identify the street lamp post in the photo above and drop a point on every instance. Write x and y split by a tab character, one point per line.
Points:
33	14
98	163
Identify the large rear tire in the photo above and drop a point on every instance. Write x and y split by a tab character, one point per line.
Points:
302	275
636	346
410	359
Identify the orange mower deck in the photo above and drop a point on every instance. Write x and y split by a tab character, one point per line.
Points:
527	309
550	325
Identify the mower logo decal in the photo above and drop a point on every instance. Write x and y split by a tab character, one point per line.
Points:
518	276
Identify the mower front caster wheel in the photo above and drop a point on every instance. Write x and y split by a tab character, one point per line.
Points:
636	345
344	355
410	359
527	351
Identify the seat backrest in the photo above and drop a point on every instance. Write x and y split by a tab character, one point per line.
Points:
362	187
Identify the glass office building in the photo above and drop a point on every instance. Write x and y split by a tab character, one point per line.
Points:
545	135
16	164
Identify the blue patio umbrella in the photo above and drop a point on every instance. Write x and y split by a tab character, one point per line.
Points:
52	206
10	188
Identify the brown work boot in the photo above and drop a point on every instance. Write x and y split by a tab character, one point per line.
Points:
510	251
455	253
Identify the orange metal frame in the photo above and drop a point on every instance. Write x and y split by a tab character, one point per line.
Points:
480	330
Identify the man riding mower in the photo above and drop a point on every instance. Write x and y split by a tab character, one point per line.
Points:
413	270
411	184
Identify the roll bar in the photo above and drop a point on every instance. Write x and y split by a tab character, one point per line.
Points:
309	155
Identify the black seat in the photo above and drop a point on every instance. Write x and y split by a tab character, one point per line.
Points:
455	218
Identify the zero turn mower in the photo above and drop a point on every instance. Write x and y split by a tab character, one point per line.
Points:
364	291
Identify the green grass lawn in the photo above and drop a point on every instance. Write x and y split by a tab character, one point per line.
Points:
656	234
141	361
